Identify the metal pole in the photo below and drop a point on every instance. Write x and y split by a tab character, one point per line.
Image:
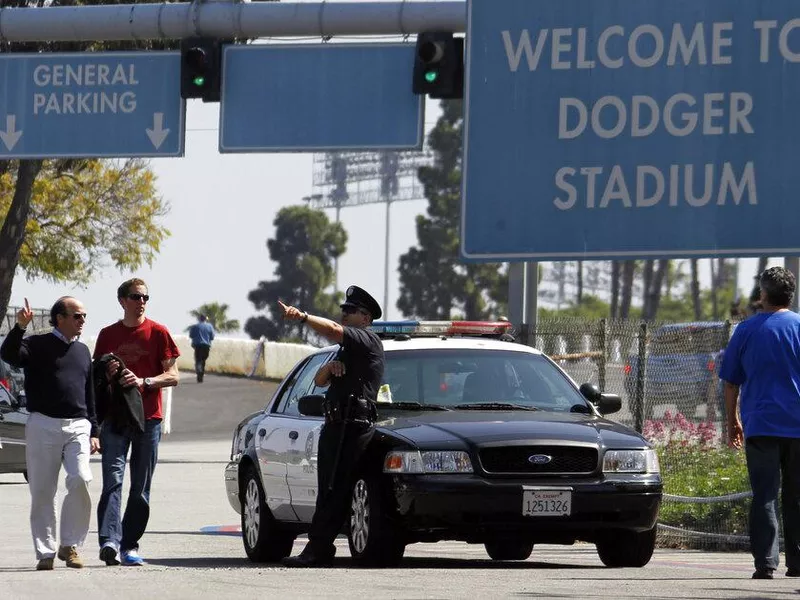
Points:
601	363
516	294
640	395
531	300
386	261
243	20
336	260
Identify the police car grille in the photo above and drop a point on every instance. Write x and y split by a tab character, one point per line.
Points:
516	459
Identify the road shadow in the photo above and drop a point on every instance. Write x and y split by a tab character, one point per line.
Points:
346	562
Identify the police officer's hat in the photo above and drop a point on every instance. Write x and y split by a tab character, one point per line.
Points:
355	296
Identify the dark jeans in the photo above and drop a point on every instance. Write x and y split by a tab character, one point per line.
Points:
200	358
770	459
125	533
333	505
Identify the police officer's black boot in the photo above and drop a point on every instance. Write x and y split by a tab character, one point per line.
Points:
310	558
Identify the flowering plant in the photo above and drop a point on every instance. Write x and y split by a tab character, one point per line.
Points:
676	431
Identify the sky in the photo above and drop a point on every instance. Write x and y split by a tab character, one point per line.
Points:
222	212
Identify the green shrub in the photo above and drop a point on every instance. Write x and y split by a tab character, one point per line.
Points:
696	464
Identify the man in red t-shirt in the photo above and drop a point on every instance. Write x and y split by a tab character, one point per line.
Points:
149	354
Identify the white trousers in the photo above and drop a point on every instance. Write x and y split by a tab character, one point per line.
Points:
49	443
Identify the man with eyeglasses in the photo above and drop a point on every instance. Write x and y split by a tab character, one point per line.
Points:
149	355
61	428
354	376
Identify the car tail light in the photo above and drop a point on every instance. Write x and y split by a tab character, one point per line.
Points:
5	384
628	369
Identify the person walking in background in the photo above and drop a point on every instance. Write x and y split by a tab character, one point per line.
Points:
149	354
201	334
61	429
761	370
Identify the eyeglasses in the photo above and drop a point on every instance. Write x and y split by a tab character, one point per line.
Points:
78	316
138	297
350	310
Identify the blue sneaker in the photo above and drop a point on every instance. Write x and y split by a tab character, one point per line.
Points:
131	558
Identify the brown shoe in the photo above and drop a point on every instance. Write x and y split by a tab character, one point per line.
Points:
46	564
70	555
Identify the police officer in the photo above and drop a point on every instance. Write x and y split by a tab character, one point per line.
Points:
354	376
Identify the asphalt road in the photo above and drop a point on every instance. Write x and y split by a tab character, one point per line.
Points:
212	409
193	547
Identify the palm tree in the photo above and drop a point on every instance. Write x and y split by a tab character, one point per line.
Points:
217	315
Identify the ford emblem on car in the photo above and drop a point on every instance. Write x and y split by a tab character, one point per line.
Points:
539	459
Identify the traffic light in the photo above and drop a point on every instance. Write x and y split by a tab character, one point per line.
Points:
201	68
439	65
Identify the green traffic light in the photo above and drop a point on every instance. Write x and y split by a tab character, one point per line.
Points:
199	81
431	76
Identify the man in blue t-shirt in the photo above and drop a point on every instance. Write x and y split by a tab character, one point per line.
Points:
762	367
201	334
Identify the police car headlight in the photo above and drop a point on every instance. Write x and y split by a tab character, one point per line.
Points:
631	461
436	461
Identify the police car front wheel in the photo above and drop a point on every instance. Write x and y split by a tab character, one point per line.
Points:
509	549
625	548
373	537
264	540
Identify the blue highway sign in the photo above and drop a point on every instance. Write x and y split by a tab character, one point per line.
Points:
104	104
311	97
600	129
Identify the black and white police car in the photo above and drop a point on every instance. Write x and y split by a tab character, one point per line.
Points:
478	439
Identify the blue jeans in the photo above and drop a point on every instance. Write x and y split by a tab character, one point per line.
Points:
125	534
770	460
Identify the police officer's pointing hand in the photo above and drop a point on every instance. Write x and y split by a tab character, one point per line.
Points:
291	313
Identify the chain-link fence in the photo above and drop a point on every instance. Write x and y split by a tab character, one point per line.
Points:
668	377
39	324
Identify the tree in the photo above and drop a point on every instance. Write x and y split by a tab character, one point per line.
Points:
304	248
654	282
695	290
217	315
67	220
433	283
86	224
628	269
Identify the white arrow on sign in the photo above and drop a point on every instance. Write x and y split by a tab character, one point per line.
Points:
10	136
157	134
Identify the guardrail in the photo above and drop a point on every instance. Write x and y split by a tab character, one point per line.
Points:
229	356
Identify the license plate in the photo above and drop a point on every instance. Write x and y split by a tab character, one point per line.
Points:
546	502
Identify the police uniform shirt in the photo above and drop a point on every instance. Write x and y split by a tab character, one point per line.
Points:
361	352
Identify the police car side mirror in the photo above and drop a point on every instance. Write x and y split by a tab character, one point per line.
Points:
609	403
311	406
591	392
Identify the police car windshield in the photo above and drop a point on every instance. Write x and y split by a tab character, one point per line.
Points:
474	379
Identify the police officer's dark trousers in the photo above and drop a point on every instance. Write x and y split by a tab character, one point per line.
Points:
333	504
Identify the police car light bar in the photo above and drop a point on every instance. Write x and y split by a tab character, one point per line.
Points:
436	328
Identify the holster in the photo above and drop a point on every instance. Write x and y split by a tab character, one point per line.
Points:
352	410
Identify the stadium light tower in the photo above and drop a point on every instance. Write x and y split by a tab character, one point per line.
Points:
343	179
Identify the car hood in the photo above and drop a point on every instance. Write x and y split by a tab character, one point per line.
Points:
460	429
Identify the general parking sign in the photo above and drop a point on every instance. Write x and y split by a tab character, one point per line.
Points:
598	129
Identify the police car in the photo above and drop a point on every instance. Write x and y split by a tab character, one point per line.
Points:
478	439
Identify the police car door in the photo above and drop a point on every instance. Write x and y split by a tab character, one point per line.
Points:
280	448
303	477
301	472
